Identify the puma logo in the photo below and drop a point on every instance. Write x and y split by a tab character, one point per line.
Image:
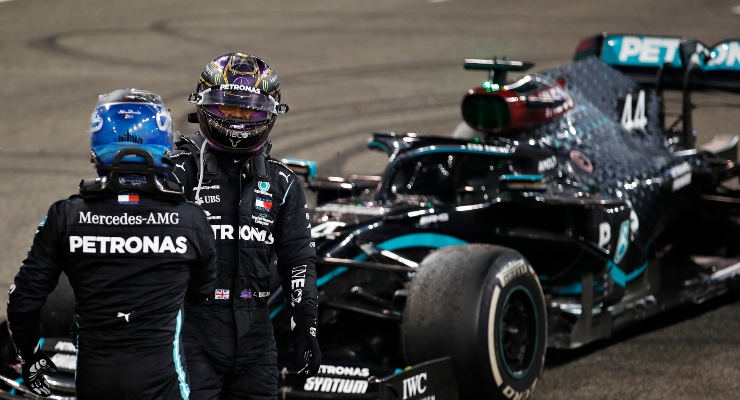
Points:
285	175
120	314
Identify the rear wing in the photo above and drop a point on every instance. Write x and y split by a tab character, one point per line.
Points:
663	60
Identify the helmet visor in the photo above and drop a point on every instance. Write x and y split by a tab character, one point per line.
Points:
231	98
130	95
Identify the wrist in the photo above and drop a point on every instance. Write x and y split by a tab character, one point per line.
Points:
25	352
306	309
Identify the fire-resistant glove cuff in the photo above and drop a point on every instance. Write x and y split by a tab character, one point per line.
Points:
32	367
307	355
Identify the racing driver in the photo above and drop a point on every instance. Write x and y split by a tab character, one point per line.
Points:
133	250
257	208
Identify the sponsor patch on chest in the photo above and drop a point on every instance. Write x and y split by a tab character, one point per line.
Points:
263	204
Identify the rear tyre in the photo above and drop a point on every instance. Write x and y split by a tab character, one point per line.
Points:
483	306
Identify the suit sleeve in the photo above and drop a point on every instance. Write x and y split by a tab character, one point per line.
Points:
203	272
295	249
36	279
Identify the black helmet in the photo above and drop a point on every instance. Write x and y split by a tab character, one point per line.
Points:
237	101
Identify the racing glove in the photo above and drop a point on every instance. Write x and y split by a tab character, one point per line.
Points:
32	368
307	355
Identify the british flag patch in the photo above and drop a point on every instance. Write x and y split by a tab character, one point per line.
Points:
222	294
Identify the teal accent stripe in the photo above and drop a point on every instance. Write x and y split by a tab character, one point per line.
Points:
41	342
184	388
529	178
620	278
333	274
277	310
77	352
501	329
431	240
617	274
459	150
311	165
380	146
287	191
19	380
634	274
573	288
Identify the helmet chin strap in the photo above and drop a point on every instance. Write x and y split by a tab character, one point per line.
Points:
207	160
200	171
259	162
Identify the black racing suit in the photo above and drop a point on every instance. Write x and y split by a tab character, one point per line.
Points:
229	341
131	260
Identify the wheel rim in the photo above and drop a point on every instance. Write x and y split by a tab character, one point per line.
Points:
518	327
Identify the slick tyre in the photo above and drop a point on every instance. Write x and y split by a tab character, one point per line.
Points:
483	306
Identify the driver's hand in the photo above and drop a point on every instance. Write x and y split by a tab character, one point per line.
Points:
33	377
307	357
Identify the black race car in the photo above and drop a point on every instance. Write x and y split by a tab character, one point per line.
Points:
565	208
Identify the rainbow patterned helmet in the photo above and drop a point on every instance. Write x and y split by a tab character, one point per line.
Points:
130	118
243	83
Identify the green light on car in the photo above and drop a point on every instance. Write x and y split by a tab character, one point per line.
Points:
490	87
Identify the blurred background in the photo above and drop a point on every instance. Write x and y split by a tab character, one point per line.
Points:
347	68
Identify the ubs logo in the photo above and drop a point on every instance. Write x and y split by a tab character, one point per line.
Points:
211	199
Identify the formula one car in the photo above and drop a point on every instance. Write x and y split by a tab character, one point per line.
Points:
565	209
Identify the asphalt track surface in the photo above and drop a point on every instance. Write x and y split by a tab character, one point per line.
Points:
347	68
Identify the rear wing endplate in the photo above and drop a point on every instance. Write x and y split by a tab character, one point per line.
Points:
642	57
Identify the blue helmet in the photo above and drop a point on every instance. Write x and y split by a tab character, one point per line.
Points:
130	118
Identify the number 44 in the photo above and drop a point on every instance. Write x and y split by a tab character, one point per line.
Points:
640	120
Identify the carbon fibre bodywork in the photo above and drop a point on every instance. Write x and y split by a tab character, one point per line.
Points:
619	223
